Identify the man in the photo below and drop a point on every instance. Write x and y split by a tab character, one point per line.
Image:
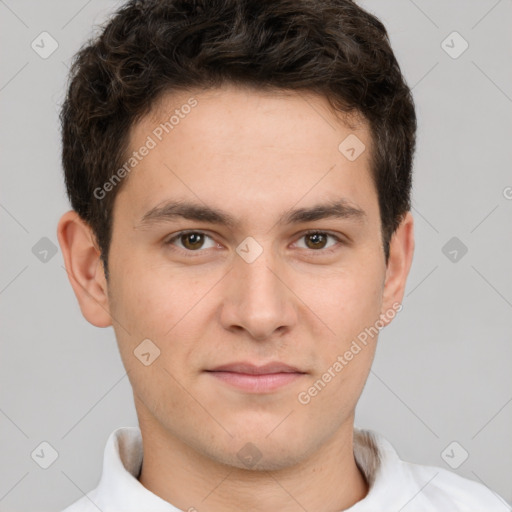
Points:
240	176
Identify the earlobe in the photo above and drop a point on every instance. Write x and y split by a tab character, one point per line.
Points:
401	251
84	268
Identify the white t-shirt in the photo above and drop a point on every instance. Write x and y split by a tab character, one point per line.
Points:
394	485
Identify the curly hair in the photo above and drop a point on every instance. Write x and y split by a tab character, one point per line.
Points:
150	47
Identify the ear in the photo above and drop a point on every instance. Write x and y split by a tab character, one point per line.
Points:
401	250
84	268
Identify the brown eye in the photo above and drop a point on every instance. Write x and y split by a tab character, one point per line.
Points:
320	241
316	240
191	241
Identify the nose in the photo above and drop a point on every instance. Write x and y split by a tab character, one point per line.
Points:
258	298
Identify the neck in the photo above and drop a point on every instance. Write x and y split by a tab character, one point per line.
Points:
327	480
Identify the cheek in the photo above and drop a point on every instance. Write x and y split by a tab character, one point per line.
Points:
350	305
151	307
333	394
347	301
152	300
334	389
169	306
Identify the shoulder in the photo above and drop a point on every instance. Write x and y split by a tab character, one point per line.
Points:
443	488
417	487
84	504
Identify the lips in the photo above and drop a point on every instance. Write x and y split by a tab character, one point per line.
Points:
252	369
251	378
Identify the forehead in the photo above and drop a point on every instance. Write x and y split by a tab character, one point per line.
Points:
246	117
248	151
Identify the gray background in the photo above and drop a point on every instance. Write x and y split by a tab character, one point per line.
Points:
442	369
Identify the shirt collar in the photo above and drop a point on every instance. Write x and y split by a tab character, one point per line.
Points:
120	489
393	484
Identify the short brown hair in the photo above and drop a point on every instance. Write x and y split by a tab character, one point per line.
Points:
330	47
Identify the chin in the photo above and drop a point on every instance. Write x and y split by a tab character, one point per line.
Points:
256	452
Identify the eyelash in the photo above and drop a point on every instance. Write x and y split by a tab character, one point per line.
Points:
170	241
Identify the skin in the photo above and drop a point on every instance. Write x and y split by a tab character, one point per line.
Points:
255	155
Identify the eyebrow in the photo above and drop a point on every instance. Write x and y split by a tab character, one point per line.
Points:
172	210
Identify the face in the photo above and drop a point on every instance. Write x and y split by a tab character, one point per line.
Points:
291	281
